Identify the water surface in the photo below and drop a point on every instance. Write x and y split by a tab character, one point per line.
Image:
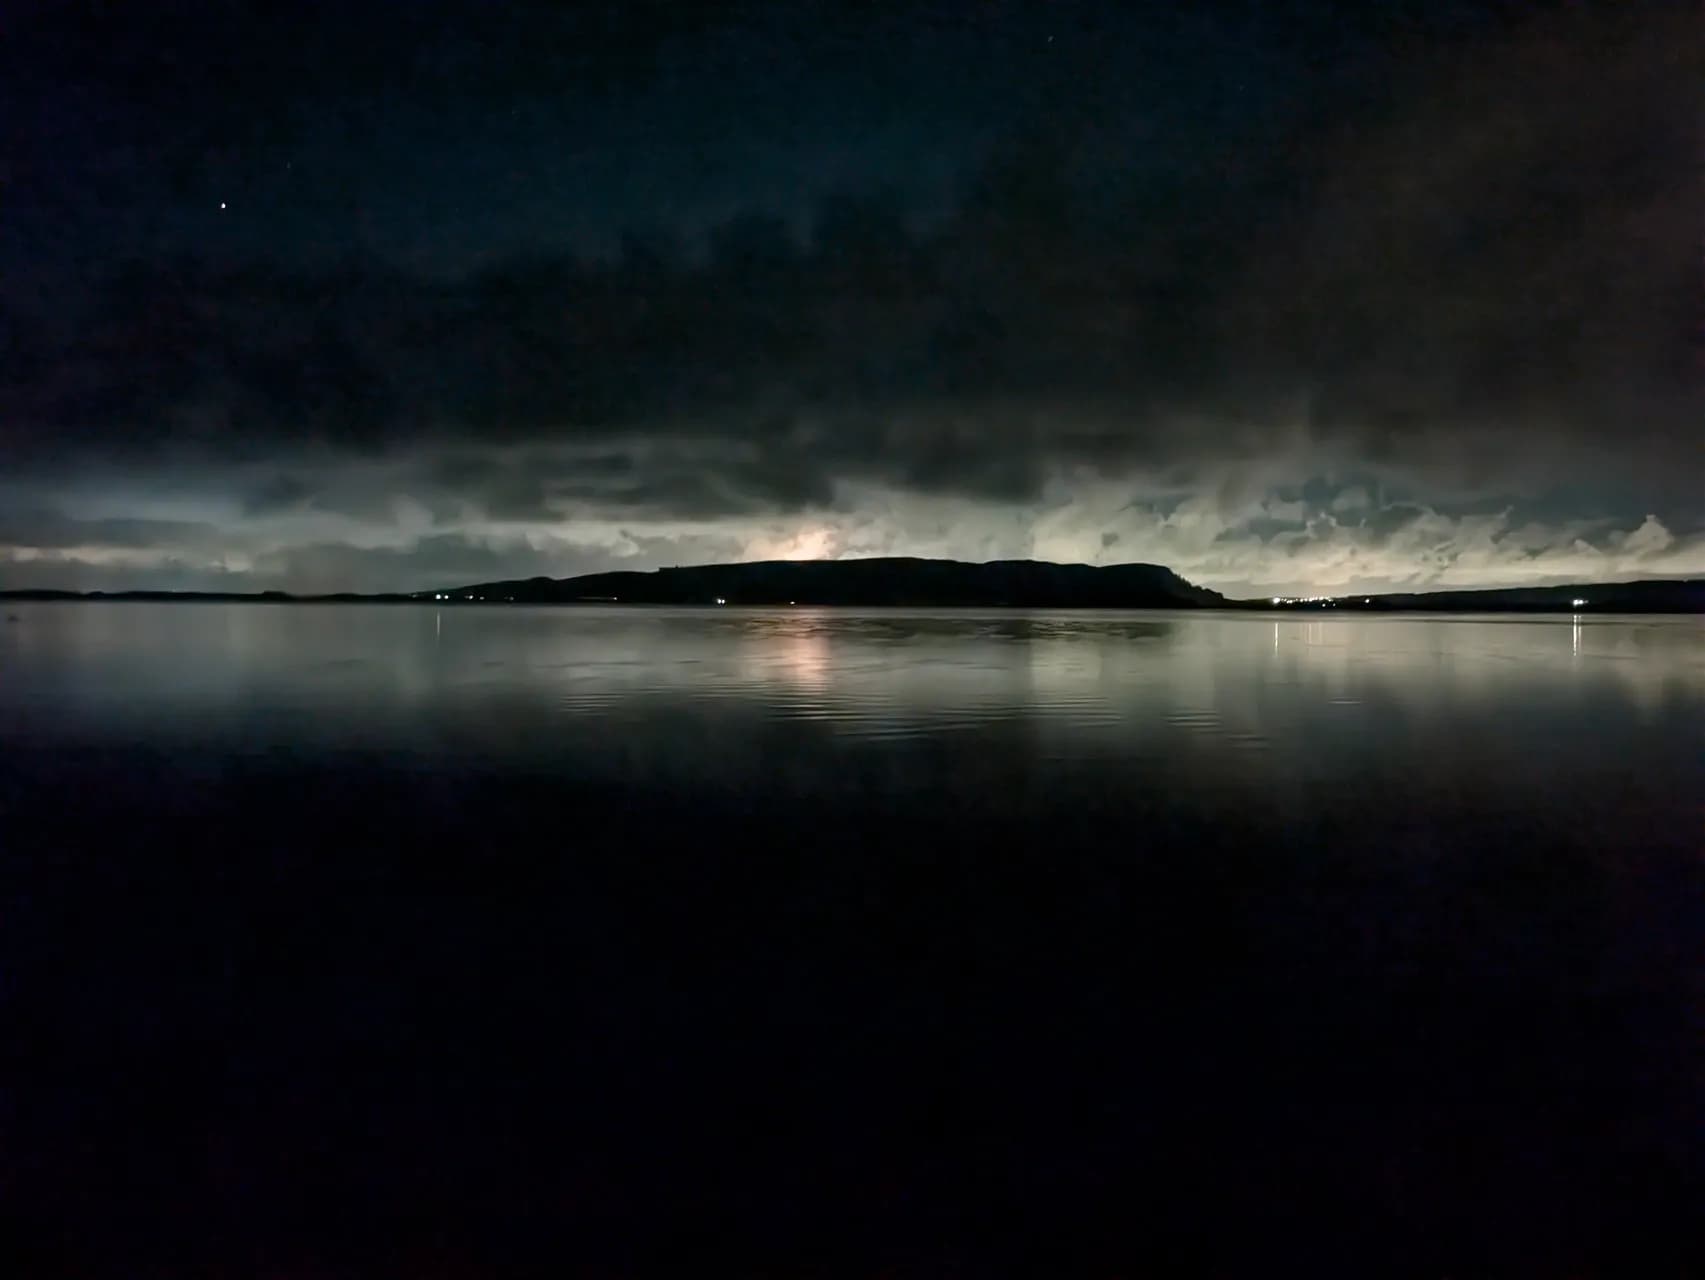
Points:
881	939
797	703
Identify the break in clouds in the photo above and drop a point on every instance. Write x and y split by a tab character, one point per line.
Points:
1455	344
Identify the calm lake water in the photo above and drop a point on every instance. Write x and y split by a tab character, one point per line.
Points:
399	939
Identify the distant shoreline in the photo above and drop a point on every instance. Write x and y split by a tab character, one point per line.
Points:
902	582
1668	597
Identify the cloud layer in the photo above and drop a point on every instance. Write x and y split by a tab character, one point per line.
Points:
1458	343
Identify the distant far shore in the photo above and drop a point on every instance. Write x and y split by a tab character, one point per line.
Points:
946	584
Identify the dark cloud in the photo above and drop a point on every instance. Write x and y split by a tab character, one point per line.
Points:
1500	254
65	571
1514	242
1388	521
280	493
670	477
435	560
1463	267
47	528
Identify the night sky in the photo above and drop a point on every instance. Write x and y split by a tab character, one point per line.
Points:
1291	297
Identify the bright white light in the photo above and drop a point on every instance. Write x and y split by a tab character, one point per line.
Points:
1276	600
720	600
221	204
1577	603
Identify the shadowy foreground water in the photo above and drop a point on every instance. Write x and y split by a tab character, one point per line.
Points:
355	941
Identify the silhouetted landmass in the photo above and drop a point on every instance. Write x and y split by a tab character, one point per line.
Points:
1026	584
220	597
1671	595
888	581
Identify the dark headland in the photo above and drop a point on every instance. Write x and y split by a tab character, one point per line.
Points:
886	581
904	581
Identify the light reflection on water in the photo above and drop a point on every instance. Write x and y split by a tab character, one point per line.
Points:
969	698
1393	911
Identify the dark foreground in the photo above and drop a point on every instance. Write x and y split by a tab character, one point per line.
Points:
360	1023
579	944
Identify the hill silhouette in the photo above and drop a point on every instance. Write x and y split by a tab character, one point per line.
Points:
1652	595
884	581
1024	584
